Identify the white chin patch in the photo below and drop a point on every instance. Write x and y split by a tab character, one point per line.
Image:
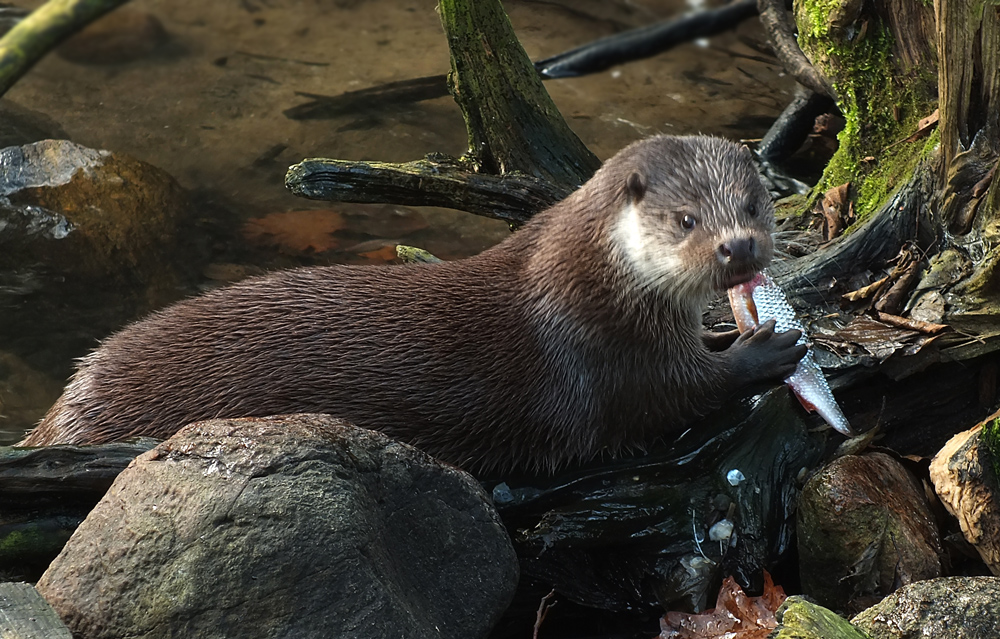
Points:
651	260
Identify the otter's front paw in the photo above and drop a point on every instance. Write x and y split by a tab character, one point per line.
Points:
761	354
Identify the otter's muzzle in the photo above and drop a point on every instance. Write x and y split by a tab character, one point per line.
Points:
737	250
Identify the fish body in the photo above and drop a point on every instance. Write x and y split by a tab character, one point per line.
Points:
761	300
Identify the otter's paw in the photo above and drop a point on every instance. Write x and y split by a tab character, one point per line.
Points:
761	354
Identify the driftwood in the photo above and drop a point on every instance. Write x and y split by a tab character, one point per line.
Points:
46	492
441	181
25	615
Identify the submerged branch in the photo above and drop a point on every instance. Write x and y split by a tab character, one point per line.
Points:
41	31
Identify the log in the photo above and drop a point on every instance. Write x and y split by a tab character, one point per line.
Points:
434	181
46	492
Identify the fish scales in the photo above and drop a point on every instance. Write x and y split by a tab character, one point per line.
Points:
761	300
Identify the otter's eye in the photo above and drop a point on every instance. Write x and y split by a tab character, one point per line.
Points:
688	222
752	209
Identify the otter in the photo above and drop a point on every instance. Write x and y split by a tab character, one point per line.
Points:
578	335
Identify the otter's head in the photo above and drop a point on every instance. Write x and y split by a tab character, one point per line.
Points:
694	217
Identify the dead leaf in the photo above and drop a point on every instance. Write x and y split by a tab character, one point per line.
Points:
865	292
835	208
924	127
305	231
735	616
383	255
928	328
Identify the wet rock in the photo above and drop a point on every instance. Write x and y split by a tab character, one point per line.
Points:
801	619
966	483
121	36
864	529
85	211
951	607
295	526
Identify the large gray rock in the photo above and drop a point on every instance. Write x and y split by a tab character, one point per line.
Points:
296	526
945	608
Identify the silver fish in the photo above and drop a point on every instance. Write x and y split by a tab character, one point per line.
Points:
760	300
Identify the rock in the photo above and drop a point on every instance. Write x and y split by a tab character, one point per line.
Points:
294	526
25	615
945	608
864	528
121	36
967	486
801	619
87	212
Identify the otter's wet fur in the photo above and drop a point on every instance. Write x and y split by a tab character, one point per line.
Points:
579	334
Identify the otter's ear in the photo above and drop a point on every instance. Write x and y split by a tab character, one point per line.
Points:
635	188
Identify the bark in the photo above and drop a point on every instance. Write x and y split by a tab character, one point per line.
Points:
522	155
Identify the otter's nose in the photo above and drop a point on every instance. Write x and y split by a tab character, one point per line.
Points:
741	249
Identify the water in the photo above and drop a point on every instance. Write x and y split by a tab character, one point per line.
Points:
206	105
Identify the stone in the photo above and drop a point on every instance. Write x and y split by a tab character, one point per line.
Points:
292	526
799	618
967	486
86	212
864	527
946	608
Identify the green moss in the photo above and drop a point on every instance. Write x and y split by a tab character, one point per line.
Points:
880	108
990	437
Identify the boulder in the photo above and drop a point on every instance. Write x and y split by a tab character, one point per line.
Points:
949	607
864	528
87	212
966	483
293	526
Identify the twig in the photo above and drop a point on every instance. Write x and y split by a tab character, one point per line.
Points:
543	611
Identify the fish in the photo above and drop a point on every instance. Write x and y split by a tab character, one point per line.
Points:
760	300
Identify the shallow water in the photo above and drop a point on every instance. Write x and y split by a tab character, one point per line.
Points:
207	106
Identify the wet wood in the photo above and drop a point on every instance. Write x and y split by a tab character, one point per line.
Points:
25	615
436	181
780	29
41	31
46	492
512	123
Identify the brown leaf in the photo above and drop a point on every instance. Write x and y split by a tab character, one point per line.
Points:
835	208
383	255
307	231
735	616
924	127
929	328
865	292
